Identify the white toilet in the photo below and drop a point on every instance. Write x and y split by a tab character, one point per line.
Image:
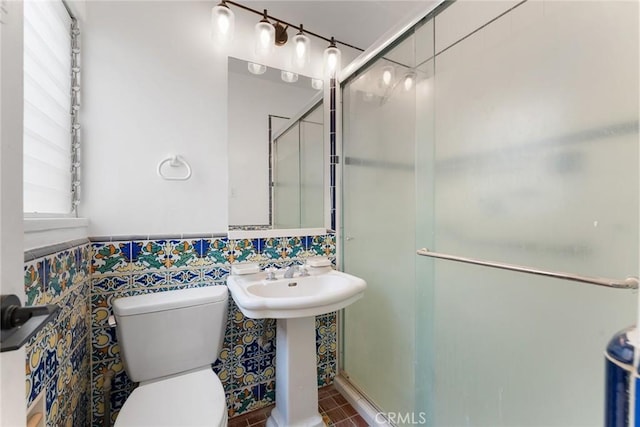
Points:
168	341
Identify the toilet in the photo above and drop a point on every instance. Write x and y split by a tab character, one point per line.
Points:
168	341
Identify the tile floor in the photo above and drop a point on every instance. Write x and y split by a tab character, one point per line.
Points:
334	408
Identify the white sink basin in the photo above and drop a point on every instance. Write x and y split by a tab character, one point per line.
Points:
300	296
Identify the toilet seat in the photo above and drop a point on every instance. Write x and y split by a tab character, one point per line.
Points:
193	399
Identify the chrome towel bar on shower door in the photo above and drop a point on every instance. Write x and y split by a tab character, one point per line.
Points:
628	283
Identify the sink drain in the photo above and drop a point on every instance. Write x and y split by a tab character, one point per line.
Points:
292	284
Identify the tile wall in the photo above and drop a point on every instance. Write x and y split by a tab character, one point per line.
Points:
57	361
246	364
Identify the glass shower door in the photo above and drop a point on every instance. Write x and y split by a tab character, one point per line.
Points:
286	179
379	222
517	142
535	162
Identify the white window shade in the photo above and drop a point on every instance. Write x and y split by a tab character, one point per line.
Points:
47	108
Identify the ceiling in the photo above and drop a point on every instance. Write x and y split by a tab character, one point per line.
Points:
359	23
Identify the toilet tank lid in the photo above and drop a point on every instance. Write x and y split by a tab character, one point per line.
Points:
169	300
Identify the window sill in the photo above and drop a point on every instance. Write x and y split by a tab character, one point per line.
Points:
34	225
43	232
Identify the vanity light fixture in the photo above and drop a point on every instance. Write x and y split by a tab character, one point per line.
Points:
288	76
256	69
222	23
265	36
317	84
409	81
331	59
271	32
301	49
387	76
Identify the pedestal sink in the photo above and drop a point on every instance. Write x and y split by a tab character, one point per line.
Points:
295	302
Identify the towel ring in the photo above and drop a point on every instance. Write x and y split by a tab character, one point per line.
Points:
174	162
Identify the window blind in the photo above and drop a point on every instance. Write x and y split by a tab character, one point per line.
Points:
47	107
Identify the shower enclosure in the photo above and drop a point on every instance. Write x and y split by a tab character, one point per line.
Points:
504	131
298	171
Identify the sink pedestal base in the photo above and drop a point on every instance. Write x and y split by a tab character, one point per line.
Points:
296	376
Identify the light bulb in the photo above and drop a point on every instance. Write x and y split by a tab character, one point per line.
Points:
222	23
256	69
288	76
317	84
408	81
387	76
265	36
301	49
331	59
301	52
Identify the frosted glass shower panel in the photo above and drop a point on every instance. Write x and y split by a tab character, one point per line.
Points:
536	163
312	169
286	179
379	221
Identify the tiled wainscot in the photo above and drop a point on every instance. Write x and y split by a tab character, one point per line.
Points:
246	363
57	361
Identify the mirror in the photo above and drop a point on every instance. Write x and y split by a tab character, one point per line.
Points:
261	107
298	171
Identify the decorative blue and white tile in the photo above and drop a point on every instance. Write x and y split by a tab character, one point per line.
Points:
104	344
86	256
51	399
243	250
149	280
326	373
219	251
249	344
67	260
184	277
322	246
53	276
50	361
182	254
65	338
111	283
33	283
218	273
244	400
267	393
201	246
78	323
35	371
281	248
150	255
120	380
118	397
258	369
79	273
109	257
102	307
225	375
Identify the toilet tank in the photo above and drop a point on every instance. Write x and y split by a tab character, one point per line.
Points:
170	332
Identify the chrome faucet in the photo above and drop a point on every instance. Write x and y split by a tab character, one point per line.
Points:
291	270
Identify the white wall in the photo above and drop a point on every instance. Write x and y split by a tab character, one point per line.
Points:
154	85
251	100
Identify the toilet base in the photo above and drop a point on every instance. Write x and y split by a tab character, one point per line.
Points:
275	420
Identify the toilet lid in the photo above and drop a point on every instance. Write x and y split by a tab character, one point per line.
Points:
194	399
